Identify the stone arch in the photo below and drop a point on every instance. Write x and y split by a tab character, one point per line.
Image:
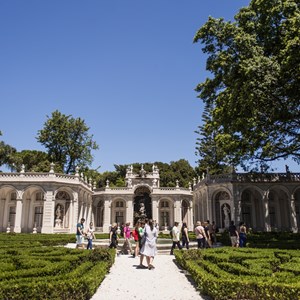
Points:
33	208
62	208
8	196
185	206
222	209
278	204
118	210
166	212
296	194
251	211
142	203
98	212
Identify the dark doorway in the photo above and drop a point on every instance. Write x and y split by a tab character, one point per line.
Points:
142	204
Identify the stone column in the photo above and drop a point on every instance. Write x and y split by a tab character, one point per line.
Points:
293	217
129	211
48	216
74	213
106	215
18	219
155	215
177	212
89	213
190	224
267	226
2	212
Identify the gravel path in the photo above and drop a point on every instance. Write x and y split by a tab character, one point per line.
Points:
166	282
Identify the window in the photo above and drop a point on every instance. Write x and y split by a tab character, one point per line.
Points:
12	215
38	216
119	204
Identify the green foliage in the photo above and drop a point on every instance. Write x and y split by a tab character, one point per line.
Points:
34	161
32	271
233	273
252	107
67	141
6	153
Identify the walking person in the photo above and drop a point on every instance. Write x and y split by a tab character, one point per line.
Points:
185	236
234	235
90	236
242	234
79	234
200	235
113	236
127	237
175	238
142	240
135	234
149	248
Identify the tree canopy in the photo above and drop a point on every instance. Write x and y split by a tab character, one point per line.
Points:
67	141
252	94
6	154
179	170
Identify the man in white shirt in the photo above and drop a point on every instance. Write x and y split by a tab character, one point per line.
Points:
175	238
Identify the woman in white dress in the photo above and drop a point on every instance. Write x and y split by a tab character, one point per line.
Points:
149	248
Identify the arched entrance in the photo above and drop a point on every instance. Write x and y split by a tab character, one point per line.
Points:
142	204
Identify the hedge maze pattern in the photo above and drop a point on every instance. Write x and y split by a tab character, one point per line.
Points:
248	273
31	270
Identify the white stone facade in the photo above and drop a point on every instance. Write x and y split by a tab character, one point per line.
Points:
264	201
54	203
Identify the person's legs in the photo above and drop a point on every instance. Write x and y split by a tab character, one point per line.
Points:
141	260
172	248
129	246
151	262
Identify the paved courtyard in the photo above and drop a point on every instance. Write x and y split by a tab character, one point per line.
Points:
166	282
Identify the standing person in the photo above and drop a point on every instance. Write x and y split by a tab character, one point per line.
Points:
175	238
185	236
113	236
127	236
90	236
200	235
214	231
79	234
142	242
242	234
234	235
207	235
135	234
149	249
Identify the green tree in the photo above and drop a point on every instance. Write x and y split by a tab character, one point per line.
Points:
33	160
6	154
67	141
212	157
254	85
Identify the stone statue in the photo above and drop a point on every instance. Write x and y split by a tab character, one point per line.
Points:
226	211
58	216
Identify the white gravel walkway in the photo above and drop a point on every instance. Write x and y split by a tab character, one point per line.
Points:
166	282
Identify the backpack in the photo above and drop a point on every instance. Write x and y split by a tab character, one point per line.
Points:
171	233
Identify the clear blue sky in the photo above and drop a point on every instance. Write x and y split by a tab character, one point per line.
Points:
127	67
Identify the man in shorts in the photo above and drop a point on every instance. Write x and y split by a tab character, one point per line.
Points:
79	234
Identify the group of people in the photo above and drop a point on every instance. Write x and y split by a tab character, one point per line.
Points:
206	234
145	236
238	236
81	233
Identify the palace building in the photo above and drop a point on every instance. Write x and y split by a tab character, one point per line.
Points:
33	202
